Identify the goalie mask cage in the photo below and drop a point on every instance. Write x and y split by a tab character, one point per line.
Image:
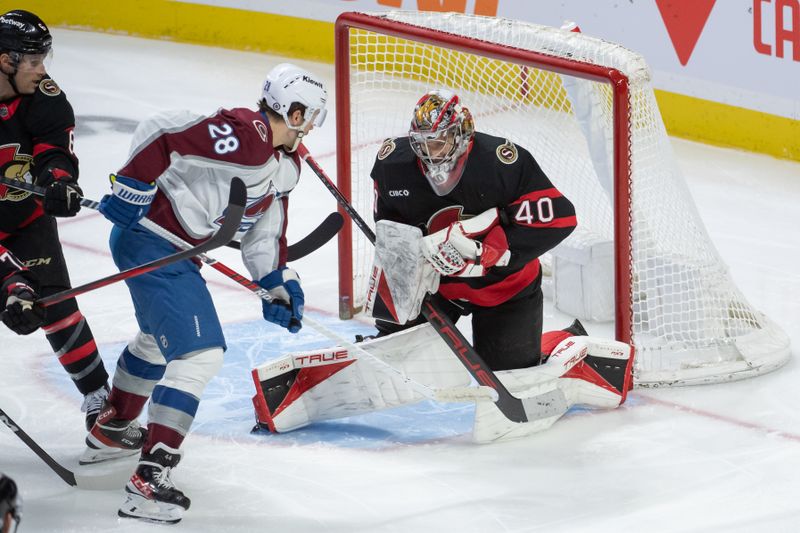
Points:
586	110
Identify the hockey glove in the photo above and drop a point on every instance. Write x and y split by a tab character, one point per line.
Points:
62	198
454	251
128	202
22	315
286	308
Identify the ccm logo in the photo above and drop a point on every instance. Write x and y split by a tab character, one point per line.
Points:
324	357
400	192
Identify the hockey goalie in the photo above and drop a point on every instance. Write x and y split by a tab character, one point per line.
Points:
415	364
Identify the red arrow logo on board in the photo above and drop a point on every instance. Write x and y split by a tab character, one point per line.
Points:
685	21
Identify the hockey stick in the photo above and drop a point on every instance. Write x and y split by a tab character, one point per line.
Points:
515	409
320	235
99	482
230	225
67	475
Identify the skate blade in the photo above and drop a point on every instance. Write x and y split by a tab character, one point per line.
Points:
93	456
141	508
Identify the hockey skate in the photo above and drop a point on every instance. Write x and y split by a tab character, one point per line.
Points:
112	438
150	494
93	404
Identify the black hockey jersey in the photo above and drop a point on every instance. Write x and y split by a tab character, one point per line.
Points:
535	216
36	135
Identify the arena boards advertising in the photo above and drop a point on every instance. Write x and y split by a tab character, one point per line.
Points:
727	71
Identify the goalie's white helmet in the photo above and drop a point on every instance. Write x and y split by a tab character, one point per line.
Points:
286	84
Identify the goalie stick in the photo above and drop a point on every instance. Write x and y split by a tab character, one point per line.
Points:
515	409
230	225
320	235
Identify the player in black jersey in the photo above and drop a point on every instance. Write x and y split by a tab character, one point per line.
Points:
488	212
36	139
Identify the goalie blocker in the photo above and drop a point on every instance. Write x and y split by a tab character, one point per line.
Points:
301	388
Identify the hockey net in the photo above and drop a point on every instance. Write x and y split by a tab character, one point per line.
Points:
586	110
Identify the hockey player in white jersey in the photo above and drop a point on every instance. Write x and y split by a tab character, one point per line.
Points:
178	175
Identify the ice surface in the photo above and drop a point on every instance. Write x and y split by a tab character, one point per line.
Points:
713	458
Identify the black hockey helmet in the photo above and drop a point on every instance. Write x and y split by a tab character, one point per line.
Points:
24	33
10	502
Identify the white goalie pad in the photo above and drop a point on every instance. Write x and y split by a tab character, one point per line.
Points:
302	388
581	371
401	277
306	387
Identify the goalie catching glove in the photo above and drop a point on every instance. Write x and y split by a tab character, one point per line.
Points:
286	308
455	250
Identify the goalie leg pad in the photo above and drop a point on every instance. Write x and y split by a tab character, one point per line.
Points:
281	386
299	389
587	371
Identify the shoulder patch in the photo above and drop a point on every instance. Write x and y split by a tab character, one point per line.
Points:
387	148
261	128
507	152
49	87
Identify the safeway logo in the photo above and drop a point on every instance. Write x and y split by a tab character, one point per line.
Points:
685	21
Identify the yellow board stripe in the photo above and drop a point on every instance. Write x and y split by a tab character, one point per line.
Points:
730	126
194	23
684	116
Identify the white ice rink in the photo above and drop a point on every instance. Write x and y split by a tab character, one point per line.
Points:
720	458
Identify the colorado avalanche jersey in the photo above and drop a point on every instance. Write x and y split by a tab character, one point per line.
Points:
535	216
193	158
36	134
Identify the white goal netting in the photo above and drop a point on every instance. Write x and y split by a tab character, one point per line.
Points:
679	306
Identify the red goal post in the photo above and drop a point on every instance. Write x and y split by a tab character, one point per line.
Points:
586	111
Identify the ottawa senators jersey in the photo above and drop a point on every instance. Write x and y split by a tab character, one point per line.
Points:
535	216
36	135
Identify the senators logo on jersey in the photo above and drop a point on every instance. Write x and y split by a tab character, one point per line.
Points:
387	148
507	153
49	87
15	166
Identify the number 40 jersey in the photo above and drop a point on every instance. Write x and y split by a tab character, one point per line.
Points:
534	215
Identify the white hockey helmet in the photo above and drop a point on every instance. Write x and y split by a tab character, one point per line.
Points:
287	83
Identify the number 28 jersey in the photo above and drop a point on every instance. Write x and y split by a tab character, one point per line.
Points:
193	158
535	216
